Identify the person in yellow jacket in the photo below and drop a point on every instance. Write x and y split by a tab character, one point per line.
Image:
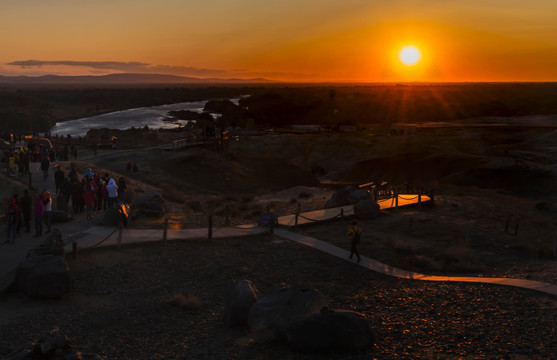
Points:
354	233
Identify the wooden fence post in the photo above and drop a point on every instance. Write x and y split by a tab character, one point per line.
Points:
272	227
420	196
119	235
210	234
165	228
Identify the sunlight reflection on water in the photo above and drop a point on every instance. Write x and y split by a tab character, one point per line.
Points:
125	119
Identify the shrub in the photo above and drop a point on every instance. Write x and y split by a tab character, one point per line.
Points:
544	251
404	246
247	199
184	301
305	195
194	205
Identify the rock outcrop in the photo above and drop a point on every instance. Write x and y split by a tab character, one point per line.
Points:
279	307
329	331
239	298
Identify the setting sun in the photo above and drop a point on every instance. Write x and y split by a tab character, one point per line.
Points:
409	55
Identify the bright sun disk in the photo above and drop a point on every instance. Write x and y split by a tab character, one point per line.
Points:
409	55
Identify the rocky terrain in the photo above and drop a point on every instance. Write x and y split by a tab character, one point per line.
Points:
494	215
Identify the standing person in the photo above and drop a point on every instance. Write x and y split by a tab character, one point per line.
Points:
112	189
47	200
354	233
27	159
104	195
89	195
122	187
45	164
26	203
77	192
11	164
58	178
13	220
39	213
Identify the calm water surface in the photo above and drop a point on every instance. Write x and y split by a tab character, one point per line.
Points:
125	119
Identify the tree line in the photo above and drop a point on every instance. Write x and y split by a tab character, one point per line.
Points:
283	106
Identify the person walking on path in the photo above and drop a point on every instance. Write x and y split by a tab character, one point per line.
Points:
13	219
354	233
47	200
39	213
26	204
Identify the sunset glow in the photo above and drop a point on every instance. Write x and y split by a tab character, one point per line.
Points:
409	55
317	41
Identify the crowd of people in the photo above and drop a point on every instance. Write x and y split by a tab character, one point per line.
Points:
89	193
19	211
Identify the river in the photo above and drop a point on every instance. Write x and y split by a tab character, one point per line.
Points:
125	119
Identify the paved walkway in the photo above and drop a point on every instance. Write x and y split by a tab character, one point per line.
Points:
399	273
348	210
87	233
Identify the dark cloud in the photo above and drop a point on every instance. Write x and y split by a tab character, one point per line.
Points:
128	67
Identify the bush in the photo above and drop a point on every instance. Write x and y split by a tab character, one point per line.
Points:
544	251
184	301
305	195
194	205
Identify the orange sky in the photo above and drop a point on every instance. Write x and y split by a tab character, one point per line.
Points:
287	40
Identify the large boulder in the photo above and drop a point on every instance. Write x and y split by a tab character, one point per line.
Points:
347	196
115	215
43	277
281	306
52	245
152	204
366	209
54	346
330	330
239	298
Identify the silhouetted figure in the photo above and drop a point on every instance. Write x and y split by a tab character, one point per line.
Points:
354	233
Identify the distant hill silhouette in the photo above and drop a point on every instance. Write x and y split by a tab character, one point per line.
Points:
121	79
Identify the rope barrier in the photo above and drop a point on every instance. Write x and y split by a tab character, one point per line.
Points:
100	242
243	227
403	198
314	220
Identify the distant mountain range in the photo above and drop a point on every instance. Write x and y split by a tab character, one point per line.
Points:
121	79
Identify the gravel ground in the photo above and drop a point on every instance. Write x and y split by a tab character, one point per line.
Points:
117	306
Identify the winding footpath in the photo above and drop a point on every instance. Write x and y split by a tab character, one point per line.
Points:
379	267
87	234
